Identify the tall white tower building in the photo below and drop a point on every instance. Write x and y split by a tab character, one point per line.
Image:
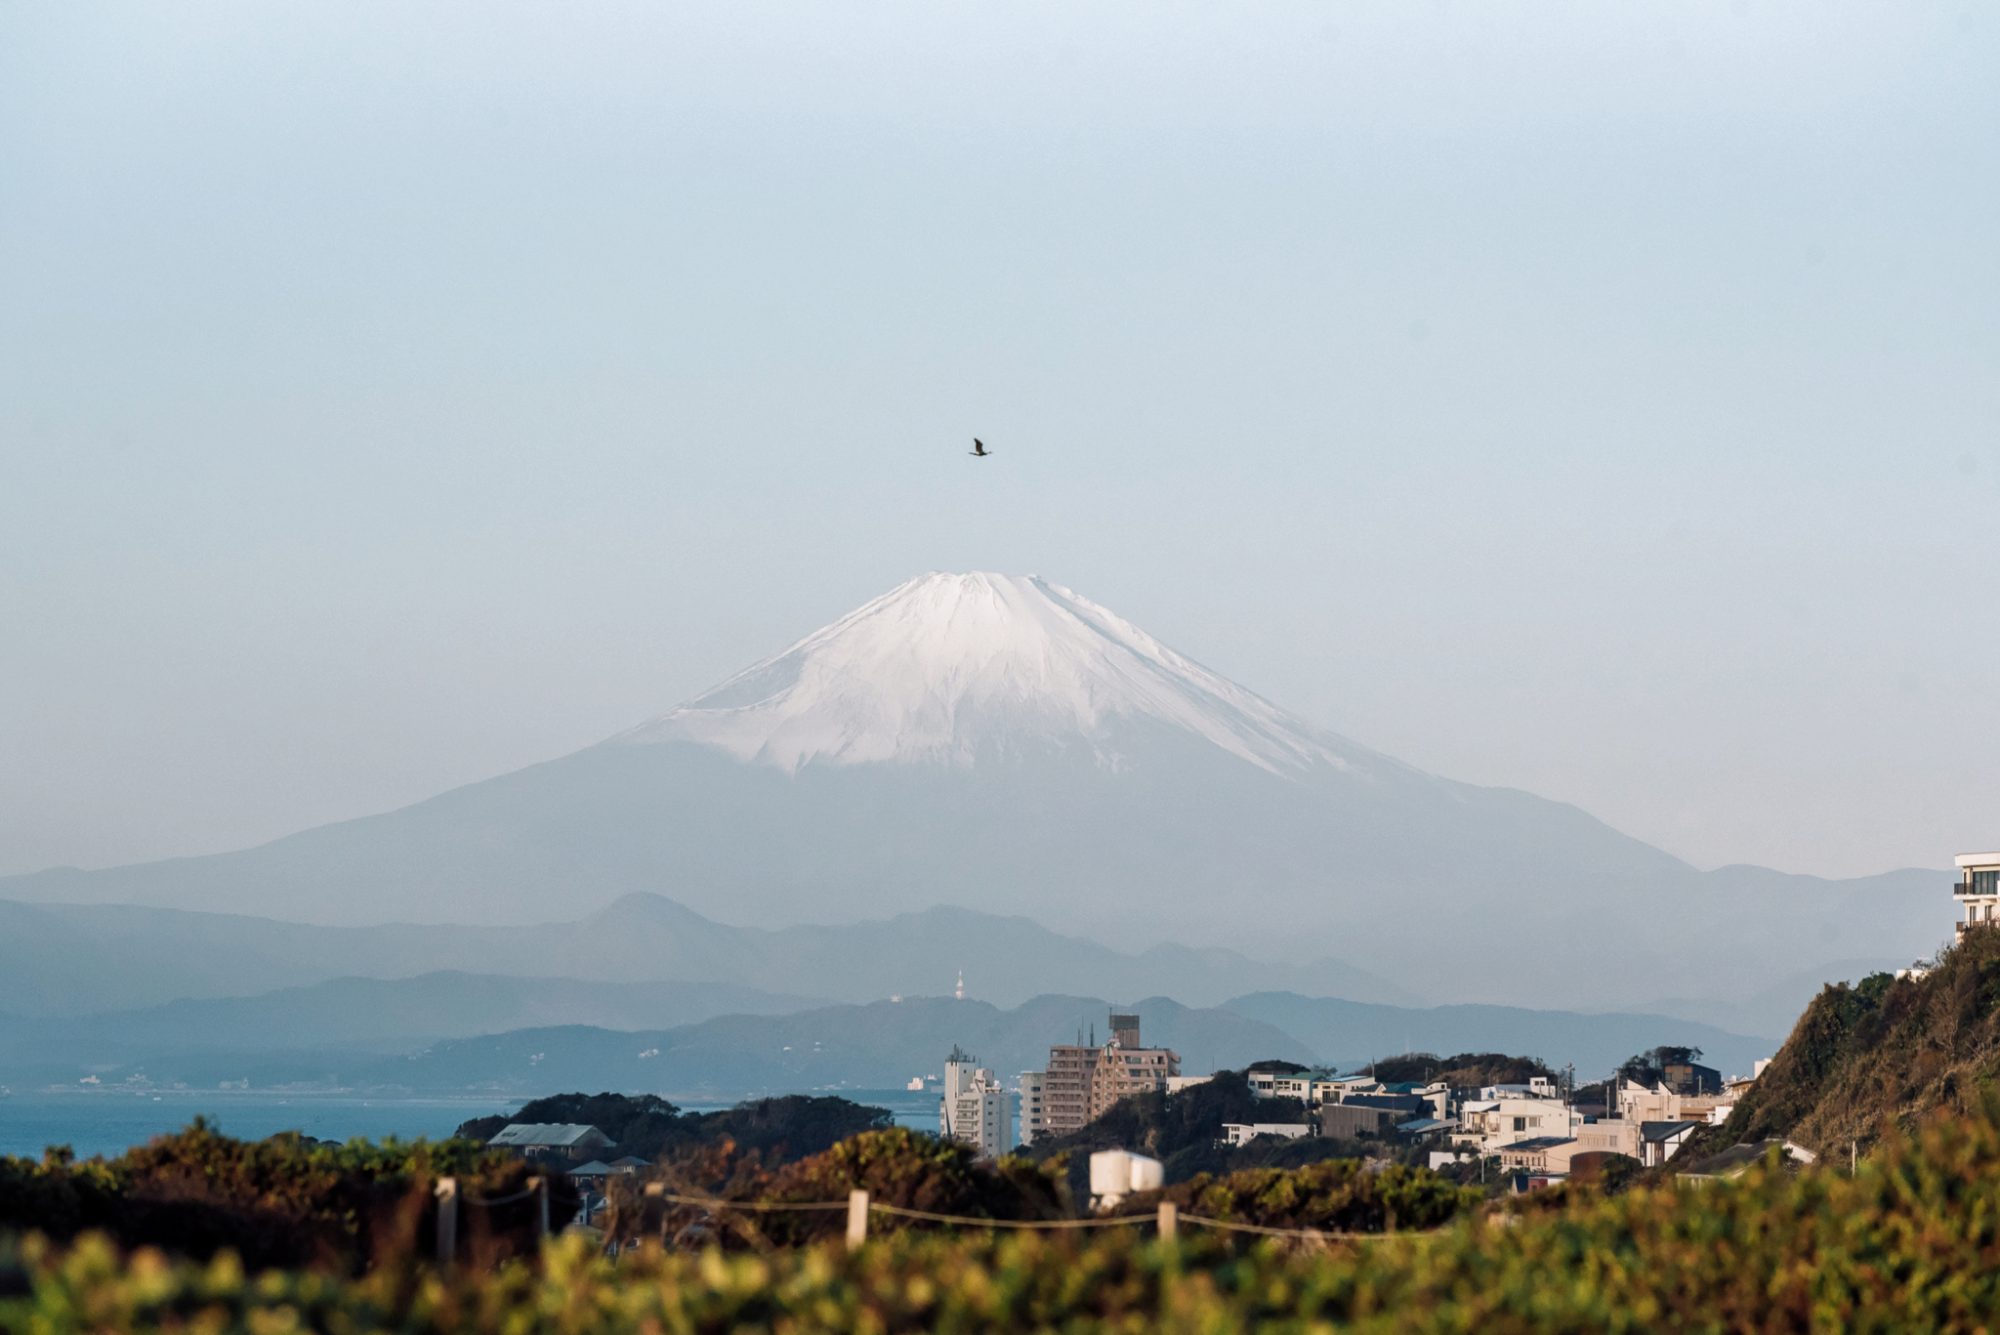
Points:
976	1110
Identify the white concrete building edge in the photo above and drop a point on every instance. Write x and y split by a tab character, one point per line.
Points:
975	1109
1978	889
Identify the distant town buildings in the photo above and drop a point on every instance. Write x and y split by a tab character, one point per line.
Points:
976	1109
1535	1130
1084	1080
1978	889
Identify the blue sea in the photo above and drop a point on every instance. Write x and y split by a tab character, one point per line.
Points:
109	1122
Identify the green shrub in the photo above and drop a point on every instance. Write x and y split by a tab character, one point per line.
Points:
281	1201
897	1167
1335	1196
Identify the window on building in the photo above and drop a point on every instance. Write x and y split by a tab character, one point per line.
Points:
1986	882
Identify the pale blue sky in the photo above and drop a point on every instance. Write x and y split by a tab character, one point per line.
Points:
1599	399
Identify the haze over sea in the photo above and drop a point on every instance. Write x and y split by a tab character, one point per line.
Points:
110	1122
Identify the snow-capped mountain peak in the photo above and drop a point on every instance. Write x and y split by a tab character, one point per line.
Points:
947	668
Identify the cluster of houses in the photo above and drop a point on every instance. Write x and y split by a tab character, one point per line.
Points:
1535	1130
573	1148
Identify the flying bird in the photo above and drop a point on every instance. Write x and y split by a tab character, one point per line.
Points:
979	450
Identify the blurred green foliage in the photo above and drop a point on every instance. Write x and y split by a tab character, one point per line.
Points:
282	1201
1907	1242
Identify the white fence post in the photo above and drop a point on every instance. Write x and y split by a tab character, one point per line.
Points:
1170	1221
857	1218
447	1220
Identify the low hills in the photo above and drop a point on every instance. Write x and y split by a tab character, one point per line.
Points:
1353	1032
68	959
451	1031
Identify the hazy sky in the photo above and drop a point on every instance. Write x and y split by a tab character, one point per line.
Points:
1598	399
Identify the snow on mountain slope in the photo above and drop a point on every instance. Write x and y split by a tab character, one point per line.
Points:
1003	744
950	668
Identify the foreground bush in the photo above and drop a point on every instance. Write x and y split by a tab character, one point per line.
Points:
896	1166
282	1201
1907	1243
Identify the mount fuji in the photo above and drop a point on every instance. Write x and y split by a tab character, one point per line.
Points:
1004	744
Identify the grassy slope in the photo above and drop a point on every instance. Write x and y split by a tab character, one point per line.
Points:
1882	1053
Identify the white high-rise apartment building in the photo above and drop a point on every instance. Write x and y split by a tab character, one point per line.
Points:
977	1109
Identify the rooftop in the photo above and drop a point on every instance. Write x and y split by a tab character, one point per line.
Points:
1735	1159
545	1135
1658	1131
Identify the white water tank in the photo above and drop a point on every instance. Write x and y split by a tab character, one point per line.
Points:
1116	1174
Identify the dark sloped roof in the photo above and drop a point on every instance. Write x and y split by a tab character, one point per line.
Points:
1535	1143
1657	1131
1734	1159
546	1135
1394	1102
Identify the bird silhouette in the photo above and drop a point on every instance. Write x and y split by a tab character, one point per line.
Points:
979	450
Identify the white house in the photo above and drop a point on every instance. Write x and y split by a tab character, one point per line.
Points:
1491	1124
1242	1133
1660	1141
1285	1084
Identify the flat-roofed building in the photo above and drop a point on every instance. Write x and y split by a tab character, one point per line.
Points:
976	1109
1978	889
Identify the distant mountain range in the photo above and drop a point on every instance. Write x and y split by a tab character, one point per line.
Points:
997	742
456	1032
66	959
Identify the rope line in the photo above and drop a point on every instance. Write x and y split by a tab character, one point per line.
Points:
1112	1221
1266	1230
490	1202
1105	1221
760	1207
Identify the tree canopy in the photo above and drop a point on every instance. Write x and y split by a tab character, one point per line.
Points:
647	1126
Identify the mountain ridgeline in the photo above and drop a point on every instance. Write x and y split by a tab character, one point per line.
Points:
996	742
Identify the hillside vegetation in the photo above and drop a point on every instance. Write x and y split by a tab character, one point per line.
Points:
1882	1053
1466	1070
1904	1243
646	1126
